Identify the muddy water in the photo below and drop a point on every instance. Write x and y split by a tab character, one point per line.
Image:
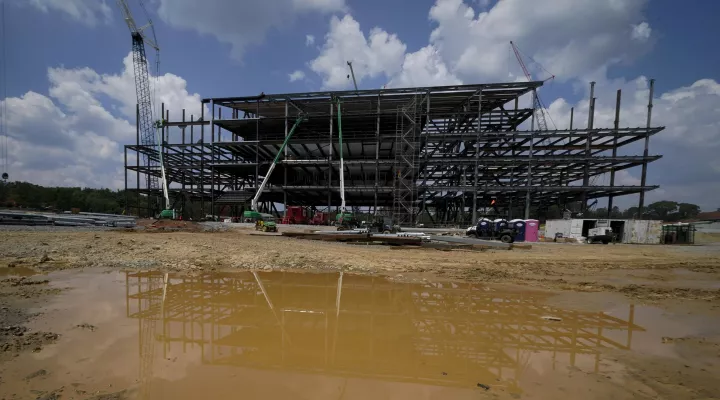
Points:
282	335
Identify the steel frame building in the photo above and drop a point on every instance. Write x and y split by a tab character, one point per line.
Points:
437	154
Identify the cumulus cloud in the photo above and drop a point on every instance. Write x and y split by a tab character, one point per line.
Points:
296	76
568	37
424	68
75	136
379	54
89	12
689	170
309	40
240	23
571	38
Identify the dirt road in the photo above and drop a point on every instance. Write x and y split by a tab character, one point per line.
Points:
676	288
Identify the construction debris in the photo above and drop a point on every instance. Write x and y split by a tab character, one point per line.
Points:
66	219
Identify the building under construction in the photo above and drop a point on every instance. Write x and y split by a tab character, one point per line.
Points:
436	155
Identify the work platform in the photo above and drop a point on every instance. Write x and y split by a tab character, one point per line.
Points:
436	154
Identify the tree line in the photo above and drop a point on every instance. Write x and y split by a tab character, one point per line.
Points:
30	196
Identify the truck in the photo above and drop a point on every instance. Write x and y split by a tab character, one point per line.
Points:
492	230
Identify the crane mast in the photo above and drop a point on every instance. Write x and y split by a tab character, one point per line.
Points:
148	128
538	106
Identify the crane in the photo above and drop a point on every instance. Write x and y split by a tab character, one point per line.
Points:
254	201
149	129
352	72
538	106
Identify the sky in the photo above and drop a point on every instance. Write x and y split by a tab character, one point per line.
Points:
70	104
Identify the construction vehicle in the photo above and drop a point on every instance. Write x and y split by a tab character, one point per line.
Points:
320	218
295	215
602	235
492	230
266	223
346	221
149	130
254	201
381	225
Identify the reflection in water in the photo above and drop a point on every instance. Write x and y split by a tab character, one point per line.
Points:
447	334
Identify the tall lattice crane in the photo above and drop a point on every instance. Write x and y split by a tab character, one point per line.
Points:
538	106
147	126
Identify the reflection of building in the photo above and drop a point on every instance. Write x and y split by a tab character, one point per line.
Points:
360	326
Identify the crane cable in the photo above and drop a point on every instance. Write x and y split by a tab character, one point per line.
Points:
3	112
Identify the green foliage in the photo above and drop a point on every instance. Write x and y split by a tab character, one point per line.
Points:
30	196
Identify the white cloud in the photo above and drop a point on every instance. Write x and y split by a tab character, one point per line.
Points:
380	54
296	76
309	40
71	137
568	37
641	31
689	170
88	12
424	68
240	23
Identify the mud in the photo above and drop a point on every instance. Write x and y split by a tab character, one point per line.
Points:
241	313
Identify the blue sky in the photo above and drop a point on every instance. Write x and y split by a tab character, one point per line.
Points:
225	48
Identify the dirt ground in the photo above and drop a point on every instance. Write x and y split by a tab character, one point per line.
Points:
684	279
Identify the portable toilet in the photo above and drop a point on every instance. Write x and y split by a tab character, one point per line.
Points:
519	225
532	227
484	227
500	224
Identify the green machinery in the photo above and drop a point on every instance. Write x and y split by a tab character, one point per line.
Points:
168	212
343	220
254	201
263	222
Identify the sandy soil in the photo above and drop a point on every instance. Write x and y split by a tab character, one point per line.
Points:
639	271
685	279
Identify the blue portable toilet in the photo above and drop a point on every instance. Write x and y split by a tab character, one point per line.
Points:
484	227
500	224
519	225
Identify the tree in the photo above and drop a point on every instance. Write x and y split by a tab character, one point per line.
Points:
688	211
615	212
630	213
661	209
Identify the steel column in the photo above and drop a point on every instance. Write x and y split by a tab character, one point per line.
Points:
643	176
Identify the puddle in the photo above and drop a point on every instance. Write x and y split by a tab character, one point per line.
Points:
17	271
281	335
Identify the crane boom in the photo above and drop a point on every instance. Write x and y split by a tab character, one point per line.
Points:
342	165
254	201
149	130
352	72
538	106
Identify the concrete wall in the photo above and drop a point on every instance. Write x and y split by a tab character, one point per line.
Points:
636	231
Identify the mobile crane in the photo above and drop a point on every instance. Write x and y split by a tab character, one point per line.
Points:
254	201
149	129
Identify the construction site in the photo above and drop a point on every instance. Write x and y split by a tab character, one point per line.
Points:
431	155
390	243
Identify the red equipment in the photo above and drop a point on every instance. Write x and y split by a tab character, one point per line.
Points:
320	218
295	215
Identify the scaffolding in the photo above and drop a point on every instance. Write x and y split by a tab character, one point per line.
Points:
436	155
369	327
